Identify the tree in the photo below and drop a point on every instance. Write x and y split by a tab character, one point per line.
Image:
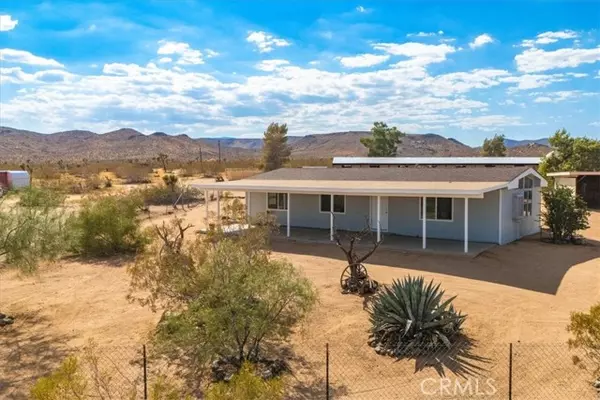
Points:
494	147
246	385
384	141
224	295
162	158
585	327
276	151
564	213
571	154
26	166
170	181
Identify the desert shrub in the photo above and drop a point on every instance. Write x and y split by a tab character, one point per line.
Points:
170	181
410	315
133	173
160	195
234	174
585	328
234	211
86	376
29	235
564	213
40	197
107	225
246	385
223	295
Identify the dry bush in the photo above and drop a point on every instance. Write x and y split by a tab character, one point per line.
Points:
234	174
133	173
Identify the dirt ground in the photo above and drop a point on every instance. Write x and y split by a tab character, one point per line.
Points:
521	293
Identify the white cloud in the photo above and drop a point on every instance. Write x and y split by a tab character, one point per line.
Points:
187	55
532	81
211	53
314	62
271	65
420	54
25	57
481	40
484	122
18	76
362	10
265	42
537	60
363	60
555	97
425	34
164	60
7	23
549	37
595	123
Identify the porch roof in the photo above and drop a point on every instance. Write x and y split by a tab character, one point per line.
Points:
459	182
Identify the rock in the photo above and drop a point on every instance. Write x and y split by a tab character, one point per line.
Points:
379	349
372	342
596	384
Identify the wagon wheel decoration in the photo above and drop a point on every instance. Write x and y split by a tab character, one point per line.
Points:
355	277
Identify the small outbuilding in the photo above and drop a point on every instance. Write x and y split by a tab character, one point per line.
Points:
14	179
584	183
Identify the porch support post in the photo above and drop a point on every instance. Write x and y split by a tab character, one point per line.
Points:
331	217
500	216
424	216
206	200
378	218
466	224
248	207
218	208
289	202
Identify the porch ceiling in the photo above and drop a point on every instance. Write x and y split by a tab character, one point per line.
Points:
357	188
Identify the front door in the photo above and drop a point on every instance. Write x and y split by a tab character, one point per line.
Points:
384	213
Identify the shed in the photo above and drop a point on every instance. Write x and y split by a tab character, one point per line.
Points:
584	183
14	179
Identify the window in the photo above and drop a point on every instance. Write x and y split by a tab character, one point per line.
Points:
437	208
277	201
339	203
527	185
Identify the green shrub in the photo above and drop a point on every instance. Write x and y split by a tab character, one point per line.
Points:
585	328
32	234
40	197
160	195
170	181
246	385
66	383
108	225
564	213
410	315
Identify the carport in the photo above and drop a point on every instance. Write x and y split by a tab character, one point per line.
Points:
584	183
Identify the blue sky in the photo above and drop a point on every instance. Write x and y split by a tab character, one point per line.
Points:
213	68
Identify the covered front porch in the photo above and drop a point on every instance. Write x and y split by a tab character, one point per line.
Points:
391	242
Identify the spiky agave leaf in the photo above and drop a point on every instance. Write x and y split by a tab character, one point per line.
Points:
410	314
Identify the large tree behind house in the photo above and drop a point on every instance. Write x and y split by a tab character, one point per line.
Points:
276	151
571	153
494	147
383	141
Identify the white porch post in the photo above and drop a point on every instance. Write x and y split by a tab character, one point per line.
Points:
248	207
378	218
331	217
466	224
500	216
218	208
206	200
289	202
424	216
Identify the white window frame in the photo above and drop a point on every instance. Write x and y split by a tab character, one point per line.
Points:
527	202
328	212
436	201
277	209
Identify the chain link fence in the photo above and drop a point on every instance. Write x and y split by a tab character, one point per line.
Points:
467	370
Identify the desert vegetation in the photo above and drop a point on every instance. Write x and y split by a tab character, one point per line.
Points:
564	213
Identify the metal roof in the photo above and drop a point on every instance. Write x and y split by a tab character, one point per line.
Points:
438	160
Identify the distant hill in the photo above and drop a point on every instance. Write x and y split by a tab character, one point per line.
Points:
128	144
517	143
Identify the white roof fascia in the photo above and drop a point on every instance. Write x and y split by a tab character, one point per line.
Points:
514	184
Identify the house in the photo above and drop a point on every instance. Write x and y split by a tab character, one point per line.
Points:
476	204
434	162
584	183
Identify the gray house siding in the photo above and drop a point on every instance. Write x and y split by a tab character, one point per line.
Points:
403	216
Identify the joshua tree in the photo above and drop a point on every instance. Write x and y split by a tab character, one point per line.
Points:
355	278
162	158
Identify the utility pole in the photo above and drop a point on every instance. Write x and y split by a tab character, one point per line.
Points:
201	167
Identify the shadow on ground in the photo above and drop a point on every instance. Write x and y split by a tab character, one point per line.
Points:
527	264
28	352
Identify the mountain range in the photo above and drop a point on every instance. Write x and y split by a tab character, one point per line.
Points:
130	144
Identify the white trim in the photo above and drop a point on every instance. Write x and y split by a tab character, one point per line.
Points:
435	219
275	209
574	174
514	184
423	210
378	218
330	216
288	213
500	216
335	212
437	160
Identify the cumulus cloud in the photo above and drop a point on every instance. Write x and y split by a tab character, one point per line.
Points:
481	40
7	23
363	60
425	34
271	65
265	42
556	97
420	54
187	55
549	37
25	57
211	53
537	60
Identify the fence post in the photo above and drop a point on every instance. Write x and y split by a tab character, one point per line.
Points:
510	370
145	374
327	371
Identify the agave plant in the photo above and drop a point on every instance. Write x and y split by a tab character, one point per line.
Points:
410	316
